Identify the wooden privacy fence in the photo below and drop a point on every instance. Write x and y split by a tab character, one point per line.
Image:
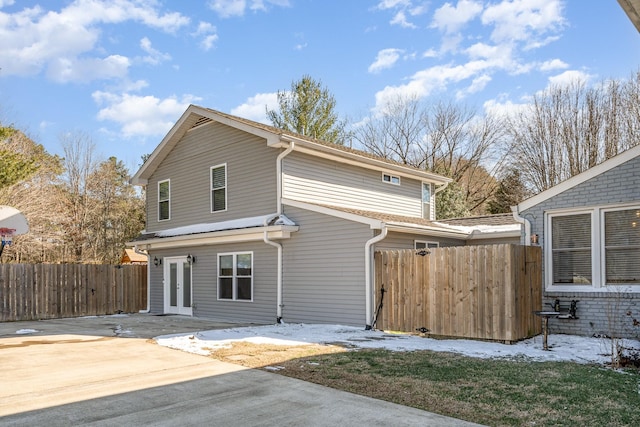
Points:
50	291
483	292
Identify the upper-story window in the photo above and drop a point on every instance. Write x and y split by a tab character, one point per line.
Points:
390	179
219	188
164	200
426	200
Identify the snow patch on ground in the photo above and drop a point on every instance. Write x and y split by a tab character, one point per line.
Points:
562	347
26	331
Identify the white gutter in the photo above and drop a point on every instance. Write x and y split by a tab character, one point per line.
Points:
527	225
265	237
139	252
367	275
439	189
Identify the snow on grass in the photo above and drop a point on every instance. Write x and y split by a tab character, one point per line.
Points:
26	331
562	347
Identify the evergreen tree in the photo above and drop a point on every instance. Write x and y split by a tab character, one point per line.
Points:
511	191
451	203
309	109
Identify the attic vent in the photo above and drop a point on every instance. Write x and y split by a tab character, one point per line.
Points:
201	121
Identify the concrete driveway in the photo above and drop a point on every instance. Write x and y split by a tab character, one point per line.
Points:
82	372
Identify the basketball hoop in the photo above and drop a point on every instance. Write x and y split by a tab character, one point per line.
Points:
6	236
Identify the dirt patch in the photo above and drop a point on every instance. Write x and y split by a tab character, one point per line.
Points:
269	355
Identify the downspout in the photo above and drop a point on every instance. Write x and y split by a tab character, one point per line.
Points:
439	189
265	237
139	252
527	225
368	286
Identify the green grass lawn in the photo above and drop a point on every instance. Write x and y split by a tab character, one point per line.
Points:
485	391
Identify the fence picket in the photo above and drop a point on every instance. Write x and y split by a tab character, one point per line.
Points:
484	292
47	291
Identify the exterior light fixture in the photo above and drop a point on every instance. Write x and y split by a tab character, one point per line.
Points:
157	261
534	239
191	259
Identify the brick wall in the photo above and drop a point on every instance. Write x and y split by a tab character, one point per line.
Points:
616	186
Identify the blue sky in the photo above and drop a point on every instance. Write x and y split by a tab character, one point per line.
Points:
123	71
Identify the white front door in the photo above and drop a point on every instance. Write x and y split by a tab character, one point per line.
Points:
177	286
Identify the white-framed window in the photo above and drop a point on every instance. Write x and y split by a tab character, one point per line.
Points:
426	200
621	242
593	248
390	179
235	276
164	200
219	188
424	244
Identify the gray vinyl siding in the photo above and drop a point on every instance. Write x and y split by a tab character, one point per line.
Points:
322	181
620	185
324	280
204	281
405	241
498	241
251	177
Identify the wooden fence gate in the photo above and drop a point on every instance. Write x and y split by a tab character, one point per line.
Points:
483	292
50	291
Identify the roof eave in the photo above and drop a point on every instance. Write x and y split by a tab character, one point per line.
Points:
274	232
580	178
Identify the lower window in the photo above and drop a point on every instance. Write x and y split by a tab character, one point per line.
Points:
235	276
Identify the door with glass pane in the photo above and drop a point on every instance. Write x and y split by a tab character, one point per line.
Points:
177	286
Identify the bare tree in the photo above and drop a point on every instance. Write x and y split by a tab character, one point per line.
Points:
570	128
445	137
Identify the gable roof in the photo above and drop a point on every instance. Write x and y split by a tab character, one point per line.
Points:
196	116
576	180
476	227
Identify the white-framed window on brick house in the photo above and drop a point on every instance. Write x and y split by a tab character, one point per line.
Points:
164	200
593	249
571	246
235	276
219	188
426	200
390	179
621	246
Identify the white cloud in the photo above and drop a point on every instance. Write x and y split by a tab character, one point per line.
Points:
230	8
4	3
504	108
386	58
401	9
477	85
256	107
554	64
209	34
34	40
141	115
450	18
568	77
401	19
154	56
65	70
524	20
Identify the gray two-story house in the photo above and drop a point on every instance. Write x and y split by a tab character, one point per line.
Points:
249	223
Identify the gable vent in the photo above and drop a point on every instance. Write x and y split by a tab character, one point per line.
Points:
201	121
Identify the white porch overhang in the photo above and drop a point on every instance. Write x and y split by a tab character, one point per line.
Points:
276	226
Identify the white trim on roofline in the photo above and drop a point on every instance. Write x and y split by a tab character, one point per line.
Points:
603	167
275	232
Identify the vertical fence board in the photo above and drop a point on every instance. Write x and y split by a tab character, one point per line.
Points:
484	292
47	291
